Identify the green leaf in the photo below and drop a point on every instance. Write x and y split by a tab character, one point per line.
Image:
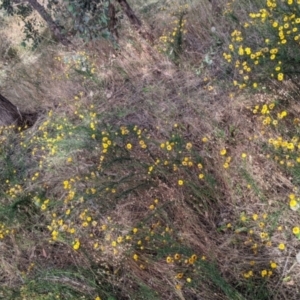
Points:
70	8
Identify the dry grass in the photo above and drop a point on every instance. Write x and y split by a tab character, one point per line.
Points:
139	86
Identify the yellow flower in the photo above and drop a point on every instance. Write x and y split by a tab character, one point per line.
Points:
169	259
189	146
263	235
254	217
151	207
243	218
294	204
201	176
180	182
194	257
273	265
241	50
66	185
223	152
281	246
135	257
264	273
244	155
85	224
129	146
280	76
97	298
261	225
76	244
142	144
283	114
204	139
124	130
292	196
267	121
248	50
296	230
264	109
271	106
177	256
226	165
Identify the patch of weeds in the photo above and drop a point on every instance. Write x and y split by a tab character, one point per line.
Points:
172	43
252	184
262	47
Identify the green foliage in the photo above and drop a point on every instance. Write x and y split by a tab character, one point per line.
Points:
255	289
88	19
31	32
7	6
31	24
